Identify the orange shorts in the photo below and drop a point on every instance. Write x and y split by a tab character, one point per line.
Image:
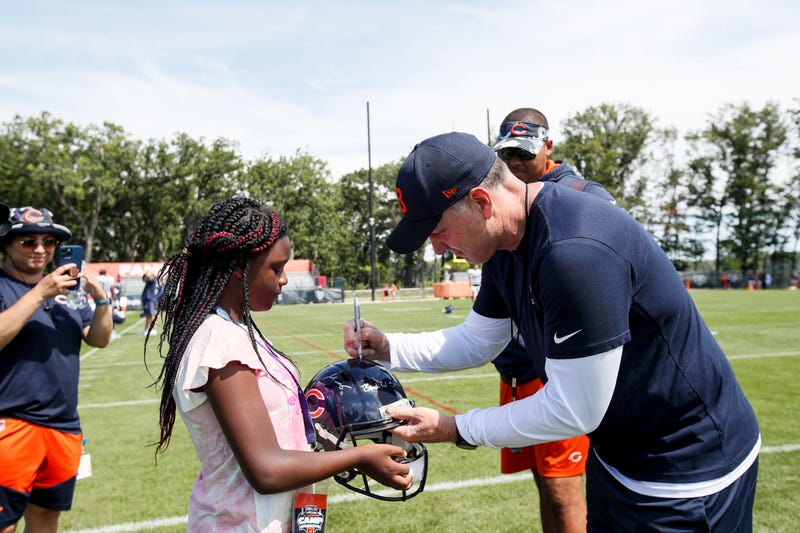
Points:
37	465
562	458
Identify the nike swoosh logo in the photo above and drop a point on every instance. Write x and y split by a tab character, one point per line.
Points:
559	340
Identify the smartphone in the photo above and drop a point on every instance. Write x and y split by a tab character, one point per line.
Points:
71	253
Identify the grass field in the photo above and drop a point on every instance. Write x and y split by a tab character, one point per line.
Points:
129	491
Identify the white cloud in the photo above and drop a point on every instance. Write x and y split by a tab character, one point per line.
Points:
276	77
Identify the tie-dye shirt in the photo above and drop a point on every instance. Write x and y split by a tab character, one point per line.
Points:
222	499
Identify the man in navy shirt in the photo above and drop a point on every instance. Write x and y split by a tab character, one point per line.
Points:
624	354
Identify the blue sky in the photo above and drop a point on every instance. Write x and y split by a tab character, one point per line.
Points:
281	76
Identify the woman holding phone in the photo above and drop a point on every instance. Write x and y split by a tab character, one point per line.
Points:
40	342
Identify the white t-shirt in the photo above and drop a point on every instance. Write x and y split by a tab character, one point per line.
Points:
222	499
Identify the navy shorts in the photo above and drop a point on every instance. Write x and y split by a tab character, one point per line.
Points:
149	307
612	507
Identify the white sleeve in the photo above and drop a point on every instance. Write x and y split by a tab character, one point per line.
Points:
474	342
571	403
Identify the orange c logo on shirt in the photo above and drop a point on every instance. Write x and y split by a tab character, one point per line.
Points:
400	201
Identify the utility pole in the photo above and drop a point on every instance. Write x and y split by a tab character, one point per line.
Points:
372	253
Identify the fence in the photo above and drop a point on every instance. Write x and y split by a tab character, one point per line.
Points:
699	279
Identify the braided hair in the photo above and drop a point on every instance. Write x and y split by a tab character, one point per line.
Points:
234	232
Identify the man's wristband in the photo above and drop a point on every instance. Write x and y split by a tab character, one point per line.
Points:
101	303
461	443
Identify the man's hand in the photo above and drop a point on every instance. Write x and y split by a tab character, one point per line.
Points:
374	344
423	424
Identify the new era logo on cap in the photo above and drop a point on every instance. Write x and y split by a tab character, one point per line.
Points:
438	172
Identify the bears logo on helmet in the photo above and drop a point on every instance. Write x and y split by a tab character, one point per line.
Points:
347	401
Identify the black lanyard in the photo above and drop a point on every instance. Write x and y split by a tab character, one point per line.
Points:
311	435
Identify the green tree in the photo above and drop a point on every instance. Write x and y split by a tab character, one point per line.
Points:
792	191
353	202
176	184
734	189
609	144
62	166
666	212
299	188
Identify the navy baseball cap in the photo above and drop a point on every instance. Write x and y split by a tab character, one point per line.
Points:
439	171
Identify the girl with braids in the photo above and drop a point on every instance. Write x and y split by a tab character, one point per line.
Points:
238	395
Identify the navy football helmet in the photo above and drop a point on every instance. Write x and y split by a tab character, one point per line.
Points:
347	401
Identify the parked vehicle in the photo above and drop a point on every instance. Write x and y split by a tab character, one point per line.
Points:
131	291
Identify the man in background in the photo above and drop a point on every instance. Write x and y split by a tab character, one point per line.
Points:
474	273
109	286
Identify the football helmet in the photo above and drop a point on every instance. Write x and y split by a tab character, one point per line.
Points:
347	401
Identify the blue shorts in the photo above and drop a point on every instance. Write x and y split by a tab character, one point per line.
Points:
612	507
149	308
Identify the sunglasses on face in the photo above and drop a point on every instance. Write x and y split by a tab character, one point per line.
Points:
507	154
31	244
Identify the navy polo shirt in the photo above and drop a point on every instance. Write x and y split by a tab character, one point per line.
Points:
588	278
39	368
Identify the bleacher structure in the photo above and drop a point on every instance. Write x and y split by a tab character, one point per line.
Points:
306	286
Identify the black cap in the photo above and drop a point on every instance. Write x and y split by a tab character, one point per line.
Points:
32	220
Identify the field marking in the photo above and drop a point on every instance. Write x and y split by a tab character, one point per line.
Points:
433	378
119	363
440	406
438	377
453	376
118	404
144	525
155	400
760	355
781	448
124	331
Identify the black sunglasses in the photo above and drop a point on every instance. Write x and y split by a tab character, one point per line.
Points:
31	243
506	154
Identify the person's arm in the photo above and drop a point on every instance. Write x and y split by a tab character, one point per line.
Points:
472	343
571	403
14	318
233	390
98	332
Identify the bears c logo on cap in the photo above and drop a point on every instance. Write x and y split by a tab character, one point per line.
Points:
33	216
518	129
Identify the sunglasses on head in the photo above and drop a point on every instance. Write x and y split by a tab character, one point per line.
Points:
506	154
31	244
